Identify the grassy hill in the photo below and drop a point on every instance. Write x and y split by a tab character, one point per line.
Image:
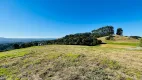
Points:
118	38
120	42
70	62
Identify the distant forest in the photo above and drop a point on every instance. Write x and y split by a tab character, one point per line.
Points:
88	38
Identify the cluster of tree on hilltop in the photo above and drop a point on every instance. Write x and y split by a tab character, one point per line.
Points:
89	39
77	39
104	31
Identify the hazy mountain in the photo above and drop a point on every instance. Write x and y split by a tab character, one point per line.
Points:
11	40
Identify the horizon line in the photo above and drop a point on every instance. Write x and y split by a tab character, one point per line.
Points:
31	37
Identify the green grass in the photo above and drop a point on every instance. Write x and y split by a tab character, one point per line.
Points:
13	55
110	63
3	71
68	62
121	40
16	53
123	43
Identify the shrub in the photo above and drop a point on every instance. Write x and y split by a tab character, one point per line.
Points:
99	41
141	42
135	37
109	37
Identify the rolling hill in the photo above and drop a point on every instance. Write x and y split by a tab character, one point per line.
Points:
118	59
70	62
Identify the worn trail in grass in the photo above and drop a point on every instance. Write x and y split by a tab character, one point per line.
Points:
67	62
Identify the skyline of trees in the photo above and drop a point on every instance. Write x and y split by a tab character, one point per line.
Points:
103	31
77	39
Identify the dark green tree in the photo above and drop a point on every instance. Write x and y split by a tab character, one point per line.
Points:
16	46
119	31
76	39
135	37
104	31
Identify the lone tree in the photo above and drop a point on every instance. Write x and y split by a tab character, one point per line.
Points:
119	31
141	42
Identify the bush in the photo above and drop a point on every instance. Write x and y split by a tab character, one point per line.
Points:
141	42
135	37
99	42
109	38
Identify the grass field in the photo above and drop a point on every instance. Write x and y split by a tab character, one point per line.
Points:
120	42
68	62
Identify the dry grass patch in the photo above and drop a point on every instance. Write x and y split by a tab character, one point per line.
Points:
66	62
116	46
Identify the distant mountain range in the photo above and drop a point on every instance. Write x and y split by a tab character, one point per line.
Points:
13	40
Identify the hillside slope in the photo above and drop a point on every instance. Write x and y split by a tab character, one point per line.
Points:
120	42
118	38
68	62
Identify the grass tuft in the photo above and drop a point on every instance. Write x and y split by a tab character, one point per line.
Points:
110	64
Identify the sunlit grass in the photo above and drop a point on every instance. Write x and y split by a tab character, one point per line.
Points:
123	43
13	55
67	62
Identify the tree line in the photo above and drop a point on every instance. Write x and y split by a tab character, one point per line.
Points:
18	45
77	39
73	39
103	31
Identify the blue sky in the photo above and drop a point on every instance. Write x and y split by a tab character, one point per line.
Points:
57	18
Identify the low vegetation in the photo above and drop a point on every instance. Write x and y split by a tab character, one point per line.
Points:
120	40
135	37
70	62
110	37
